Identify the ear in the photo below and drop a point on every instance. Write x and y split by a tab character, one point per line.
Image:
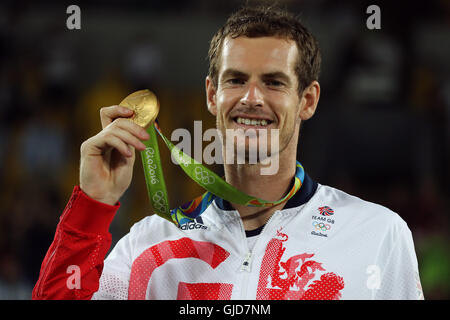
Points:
211	96
309	100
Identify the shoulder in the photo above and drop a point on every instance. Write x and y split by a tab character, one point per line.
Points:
359	210
153	226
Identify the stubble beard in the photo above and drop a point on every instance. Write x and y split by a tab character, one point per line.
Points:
251	152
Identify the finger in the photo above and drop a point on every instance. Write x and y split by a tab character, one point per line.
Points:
126	137
119	145
109	114
130	126
99	144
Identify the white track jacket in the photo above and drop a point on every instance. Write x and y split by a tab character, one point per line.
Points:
325	244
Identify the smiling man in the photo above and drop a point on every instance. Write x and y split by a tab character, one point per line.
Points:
253	85
318	243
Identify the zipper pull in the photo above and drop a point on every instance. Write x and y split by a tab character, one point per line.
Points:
245	266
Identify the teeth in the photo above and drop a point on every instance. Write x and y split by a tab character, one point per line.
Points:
252	122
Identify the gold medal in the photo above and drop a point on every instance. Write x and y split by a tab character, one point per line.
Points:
145	106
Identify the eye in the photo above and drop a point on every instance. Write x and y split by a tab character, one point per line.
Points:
235	81
274	83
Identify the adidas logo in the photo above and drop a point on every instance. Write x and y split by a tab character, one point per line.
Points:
194	225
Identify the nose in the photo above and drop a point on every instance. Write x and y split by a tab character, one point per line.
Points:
253	97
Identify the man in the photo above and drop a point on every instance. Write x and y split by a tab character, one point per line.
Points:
319	244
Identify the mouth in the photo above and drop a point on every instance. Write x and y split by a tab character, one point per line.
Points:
252	122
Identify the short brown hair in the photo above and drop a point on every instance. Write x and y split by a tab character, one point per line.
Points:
264	21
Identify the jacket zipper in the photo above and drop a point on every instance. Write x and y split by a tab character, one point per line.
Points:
248	258
246	263
245	266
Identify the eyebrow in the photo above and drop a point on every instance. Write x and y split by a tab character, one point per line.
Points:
234	73
266	76
277	75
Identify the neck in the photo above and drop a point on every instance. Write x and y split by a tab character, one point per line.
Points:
248	178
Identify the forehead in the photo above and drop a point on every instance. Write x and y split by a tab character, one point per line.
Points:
263	54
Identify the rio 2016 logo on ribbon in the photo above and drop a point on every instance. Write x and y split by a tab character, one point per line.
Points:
321	226
179	158
203	176
159	201
150	165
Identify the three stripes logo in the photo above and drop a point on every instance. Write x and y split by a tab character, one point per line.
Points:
197	223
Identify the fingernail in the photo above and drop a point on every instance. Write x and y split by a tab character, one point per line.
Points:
125	110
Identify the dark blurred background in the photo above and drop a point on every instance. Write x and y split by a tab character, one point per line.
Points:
381	131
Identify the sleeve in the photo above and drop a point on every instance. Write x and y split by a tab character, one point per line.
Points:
73	264
399	273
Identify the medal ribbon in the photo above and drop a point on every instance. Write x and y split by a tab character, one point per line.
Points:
215	185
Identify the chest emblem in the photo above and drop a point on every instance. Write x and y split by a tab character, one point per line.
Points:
299	277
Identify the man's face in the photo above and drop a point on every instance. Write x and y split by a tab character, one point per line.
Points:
257	88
